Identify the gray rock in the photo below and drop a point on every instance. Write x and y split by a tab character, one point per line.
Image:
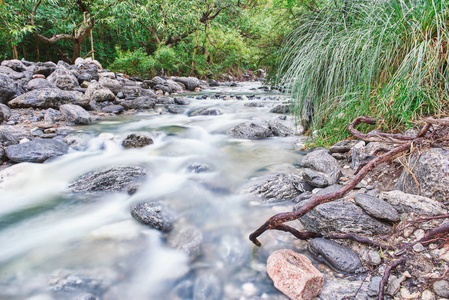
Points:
48	98
362	154
212	83
136	91
2	154
377	208
75	114
394	284
187	239
198	168
11	73
441	288
181	101
85	296
45	68
278	129
249	130
339	289
207	287
281	109
280	187
408	203
321	161
431	170
113	109
116	179
342	146
165	100
63	79
5	113
340	216
51	116
254	104
77	141
163	88
39	83
335	255
139	103
373	289
8	89
11	135
37	150
135	140
114	85
154	215
14	64
189	82
205	111
99	93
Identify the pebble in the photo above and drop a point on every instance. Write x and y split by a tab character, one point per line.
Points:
373	289
406	295
418	247
106	136
419	234
428	295
441	288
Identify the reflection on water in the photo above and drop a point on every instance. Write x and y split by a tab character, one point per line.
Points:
57	245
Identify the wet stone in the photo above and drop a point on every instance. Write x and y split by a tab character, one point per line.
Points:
376	207
113	109
335	255
135	140
281	109
154	215
37	150
249	130
198	168
205	112
207	287
186	239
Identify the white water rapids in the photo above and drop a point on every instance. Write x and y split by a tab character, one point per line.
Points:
57	246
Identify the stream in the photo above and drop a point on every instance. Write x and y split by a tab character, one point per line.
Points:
58	245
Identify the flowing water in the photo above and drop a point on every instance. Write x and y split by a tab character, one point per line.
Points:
56	245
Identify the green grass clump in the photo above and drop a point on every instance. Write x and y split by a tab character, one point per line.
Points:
386	59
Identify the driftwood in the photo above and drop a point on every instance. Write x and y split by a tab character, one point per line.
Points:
405	145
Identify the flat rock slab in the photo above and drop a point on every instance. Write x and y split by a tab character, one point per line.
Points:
37	150
205	112
408	203
154	215
377	208
48	98
338	257
294	275
116	179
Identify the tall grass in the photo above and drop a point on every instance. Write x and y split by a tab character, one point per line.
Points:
384	58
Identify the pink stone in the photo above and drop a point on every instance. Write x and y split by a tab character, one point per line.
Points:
38	76
294	275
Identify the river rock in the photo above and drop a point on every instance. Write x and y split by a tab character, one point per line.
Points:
186	239
431	170
14	64
11	73
213	83
408	203
281	187
154	215
338	257
85	296
165	100
48	98
135	140
5	113
294	275
37	150
441	288
39	83
163	88
139	103
341	216
249	130
8	89
205	111
11	135
51	116
339	289
281	109
363	153
181	101
342	146
75	114
45	68
189	82
63	79
97	92
116	179
278	129
323	170
173	86
113	109
207	287
376	207
113	84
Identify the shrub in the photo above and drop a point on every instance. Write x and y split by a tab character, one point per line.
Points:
133	63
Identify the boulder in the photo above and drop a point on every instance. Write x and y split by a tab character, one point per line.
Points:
113	109
189	82
154	215
323	169
75	114
249	130
114	85
281	109
37	150
51	116
336	256
8	88
408	203
39	83
181	101
342	146
165	100
363	153
163	88
45	68
97	92
5	113
212	83
278	129
48	98
116	179
281	187
63	79
377	208
11	73
11	135
294	275
139	103
205	111
135	140
14	64
341	216
431	170
173	86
